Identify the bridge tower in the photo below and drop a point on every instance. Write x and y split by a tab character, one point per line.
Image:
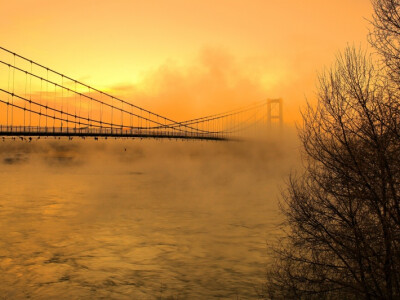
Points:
274	113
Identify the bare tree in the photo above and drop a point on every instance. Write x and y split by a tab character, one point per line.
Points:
343	213
385	36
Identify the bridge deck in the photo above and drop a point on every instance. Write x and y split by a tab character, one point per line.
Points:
19	131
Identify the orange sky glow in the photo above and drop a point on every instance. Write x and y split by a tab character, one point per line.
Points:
184	59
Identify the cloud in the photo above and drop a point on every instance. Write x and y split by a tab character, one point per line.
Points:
213	82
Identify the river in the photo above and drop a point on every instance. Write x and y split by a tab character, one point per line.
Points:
138	219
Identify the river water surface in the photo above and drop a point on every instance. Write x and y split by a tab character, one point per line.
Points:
137	219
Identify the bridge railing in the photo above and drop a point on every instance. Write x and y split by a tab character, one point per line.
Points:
117	132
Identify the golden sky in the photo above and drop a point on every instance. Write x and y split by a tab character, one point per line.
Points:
186	58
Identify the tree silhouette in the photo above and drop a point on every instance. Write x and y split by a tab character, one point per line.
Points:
343	213
385	36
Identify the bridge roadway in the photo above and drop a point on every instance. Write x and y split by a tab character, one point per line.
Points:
19	131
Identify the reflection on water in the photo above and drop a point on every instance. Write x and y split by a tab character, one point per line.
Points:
136	219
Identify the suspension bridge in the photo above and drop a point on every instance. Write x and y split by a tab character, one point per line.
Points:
37	101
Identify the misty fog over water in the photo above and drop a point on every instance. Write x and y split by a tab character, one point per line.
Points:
137	219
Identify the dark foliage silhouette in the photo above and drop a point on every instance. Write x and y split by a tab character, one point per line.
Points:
343	213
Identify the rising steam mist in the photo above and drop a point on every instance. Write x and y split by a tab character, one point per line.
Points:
216	81
139	218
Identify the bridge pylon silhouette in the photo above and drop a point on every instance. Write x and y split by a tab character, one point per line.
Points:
275	113
37	101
